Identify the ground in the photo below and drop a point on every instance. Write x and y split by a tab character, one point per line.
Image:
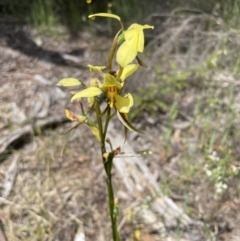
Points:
46	196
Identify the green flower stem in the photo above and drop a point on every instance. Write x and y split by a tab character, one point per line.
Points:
108	118
111	206
108	167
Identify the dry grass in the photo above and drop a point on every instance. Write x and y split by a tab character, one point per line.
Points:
195	60
52	195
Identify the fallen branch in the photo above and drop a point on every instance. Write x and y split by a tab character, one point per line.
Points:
7	140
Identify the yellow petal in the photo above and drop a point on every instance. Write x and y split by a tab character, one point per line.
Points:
74	117
134	43
123	104
95	68
107	15
69	82
89	92
126	54
134	35
109	81
128	70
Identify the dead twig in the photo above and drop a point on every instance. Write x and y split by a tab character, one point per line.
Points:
28	129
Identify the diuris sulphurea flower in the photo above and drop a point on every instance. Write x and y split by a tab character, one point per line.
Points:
125	47
111	87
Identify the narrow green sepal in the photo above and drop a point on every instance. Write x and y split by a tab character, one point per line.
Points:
140	62
123	118
125	133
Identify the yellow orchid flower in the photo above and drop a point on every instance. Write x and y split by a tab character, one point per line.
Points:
134	43
111	87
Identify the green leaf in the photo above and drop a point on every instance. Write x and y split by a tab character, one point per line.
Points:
69	82
89	92
123	118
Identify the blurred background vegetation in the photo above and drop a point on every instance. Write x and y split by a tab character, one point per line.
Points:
73	12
